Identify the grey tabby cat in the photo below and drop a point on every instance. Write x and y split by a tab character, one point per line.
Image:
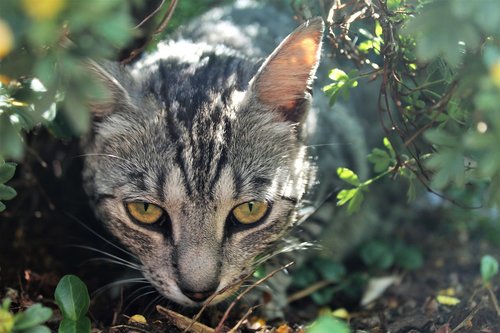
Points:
197	162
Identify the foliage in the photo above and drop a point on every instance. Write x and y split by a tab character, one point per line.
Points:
43	47
73	299
341	84
489	268
29	321
328	324
7	171
384	163
320	269
383	255
438	62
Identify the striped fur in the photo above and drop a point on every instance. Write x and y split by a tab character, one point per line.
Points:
194	129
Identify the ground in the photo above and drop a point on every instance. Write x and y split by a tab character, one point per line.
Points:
45	221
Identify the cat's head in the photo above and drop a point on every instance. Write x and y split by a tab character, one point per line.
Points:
198	167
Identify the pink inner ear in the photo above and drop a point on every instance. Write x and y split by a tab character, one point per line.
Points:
287	73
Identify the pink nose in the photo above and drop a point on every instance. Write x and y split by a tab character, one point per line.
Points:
198	296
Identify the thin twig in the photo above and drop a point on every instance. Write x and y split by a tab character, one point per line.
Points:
466	319
183	322
161	27
133	328
150	15
242	320
493	299
246	291
308	291
164	22
211	298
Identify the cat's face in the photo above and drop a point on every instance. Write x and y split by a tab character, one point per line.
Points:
198	167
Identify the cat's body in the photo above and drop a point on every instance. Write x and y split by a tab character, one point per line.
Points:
198	164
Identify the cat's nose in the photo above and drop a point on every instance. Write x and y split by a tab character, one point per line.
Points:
198	296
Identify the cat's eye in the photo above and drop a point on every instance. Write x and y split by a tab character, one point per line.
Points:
145	212
250	212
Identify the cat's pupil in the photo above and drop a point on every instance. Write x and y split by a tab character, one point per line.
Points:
146	206
250	206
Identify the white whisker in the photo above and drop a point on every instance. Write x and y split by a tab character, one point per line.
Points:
118	283
101	237
110	261
112	256
150	304
141	296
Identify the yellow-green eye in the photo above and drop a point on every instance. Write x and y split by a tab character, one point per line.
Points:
250	212
144	212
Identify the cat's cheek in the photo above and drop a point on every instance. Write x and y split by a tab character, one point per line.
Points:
160	276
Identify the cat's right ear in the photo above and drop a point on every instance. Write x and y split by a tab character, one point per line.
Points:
283	83
113	79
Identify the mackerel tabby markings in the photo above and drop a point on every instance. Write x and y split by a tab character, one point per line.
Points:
196	135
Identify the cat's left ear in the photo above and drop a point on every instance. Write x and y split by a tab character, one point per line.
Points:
283	82
116	81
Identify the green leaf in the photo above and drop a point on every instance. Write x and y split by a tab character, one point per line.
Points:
328	324
355	202
337	75
323	296
6	320
7	171
489	268
304	277
365	46
409	258
388	146
342	81
11	145
437	39
380	158
349	176
345	195
72	297
448	165
38	329
2	207
260	272
378	27
329	269
393	5
33	316
75	326
7	192
377	254
440	137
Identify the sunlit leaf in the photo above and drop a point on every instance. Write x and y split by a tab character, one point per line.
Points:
447	300
349	176
328	324
355	202
345	195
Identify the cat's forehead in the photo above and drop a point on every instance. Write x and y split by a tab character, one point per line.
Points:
220	149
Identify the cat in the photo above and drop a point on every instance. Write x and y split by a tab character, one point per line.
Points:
197	161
